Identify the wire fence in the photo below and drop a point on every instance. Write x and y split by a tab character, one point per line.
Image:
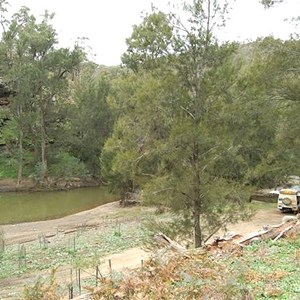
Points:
71	280
90	278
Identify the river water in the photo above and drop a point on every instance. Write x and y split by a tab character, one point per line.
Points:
35	206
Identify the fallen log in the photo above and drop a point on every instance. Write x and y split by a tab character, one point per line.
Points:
273	232
282	233
163	240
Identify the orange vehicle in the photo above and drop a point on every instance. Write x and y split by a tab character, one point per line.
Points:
289	199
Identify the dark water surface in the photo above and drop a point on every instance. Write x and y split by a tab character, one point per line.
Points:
36	206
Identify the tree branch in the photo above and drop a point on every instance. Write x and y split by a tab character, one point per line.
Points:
188	112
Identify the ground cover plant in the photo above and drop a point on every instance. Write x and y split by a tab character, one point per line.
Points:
78	249
263	270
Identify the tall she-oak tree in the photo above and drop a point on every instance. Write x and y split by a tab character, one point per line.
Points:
186	80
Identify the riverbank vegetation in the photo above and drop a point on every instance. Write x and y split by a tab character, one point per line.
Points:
187	122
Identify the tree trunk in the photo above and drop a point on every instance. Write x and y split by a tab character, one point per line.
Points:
36	152
43	147
21	155
197	207
197	229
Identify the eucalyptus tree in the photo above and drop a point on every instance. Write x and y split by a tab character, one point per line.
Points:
195	76
90	118
37	73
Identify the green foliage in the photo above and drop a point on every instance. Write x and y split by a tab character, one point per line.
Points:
8	166
170	135
37	73
117	181
271	103
130	155
150	42
225	203
90	118
9	134
66	166
39	171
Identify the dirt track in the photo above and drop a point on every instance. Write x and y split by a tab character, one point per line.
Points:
262	217
25	232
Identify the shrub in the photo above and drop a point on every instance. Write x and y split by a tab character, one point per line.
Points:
66	165
43	291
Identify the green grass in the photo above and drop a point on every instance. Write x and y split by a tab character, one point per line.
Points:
261	205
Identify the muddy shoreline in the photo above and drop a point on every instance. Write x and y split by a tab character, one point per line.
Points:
25	232
60	184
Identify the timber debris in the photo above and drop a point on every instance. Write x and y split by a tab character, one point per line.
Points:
288	226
